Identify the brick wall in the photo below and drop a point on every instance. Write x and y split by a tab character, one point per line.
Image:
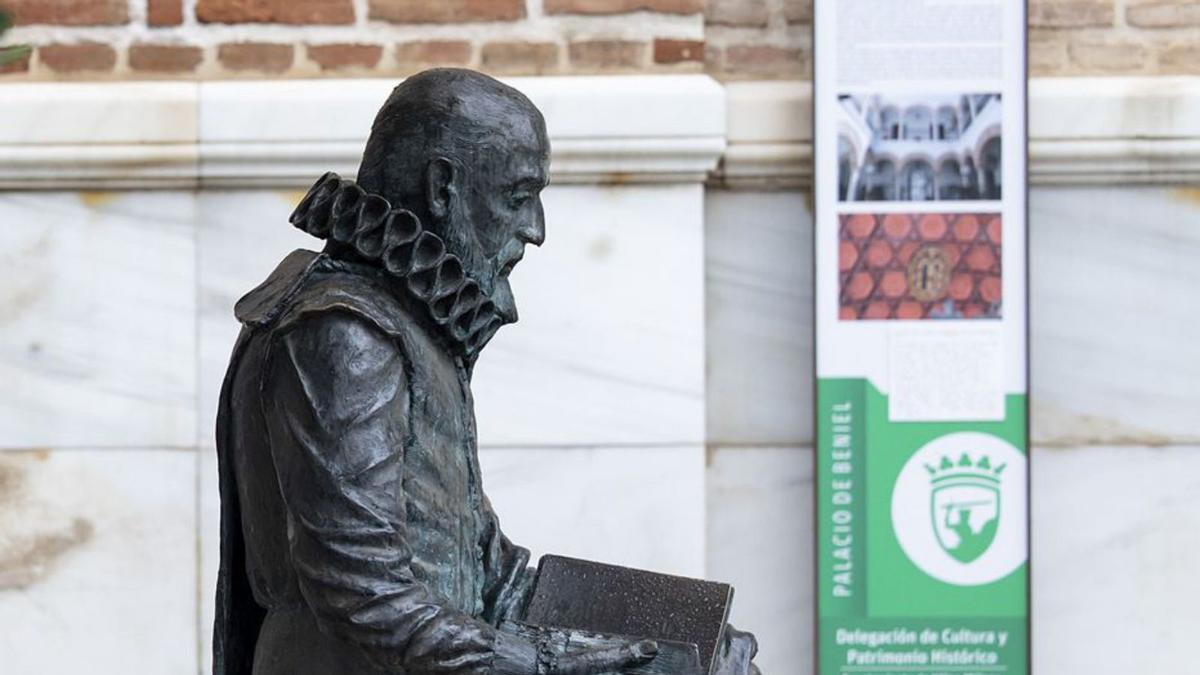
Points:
772	38
1153	37
732	39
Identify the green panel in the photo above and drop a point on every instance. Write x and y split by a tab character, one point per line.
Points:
867	582
962	646
841	497
898	587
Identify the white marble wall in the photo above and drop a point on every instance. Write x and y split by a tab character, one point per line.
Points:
662	445
98	561
98	543
1116	463
97	308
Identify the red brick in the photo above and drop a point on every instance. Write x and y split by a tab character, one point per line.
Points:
622	6
966	228
17	67
994	230
1047	51
345	55
1110	56
714	58
520	57
797	11
980	258
860	226
877	310
893	283
294	12
607	54
79	57
164	58
69	12
847	314
1070	13
932	227
973	310
906	251
752	13
434	52
1163	14
257	56
756	59
990	289
909	310
446	11
961	286
1180	59
309	12
897	225
164	12
860	286
678	51
847	256
879	253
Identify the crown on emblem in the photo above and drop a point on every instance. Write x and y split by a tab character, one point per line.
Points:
965	470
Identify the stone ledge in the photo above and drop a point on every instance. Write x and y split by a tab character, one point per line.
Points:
1083	131
285	133
605	130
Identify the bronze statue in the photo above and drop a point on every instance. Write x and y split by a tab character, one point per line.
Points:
355	535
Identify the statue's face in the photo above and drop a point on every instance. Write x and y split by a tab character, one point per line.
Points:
497	208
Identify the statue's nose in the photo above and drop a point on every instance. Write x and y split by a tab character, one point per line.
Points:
533	232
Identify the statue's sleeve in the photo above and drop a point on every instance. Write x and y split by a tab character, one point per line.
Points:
508	579
336	409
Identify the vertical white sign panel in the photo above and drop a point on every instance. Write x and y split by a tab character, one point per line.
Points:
921	344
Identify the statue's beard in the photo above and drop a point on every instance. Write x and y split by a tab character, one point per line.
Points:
506	304
490	273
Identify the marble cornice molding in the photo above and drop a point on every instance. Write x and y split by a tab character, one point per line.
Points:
1083	131
607	130
283	133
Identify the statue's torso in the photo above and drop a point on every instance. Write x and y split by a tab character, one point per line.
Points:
440	488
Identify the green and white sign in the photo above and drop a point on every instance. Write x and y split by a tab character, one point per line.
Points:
921	346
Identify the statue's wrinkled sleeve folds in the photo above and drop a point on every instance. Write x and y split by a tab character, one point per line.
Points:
508	579
338	418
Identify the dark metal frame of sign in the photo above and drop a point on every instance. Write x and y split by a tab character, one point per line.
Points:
921	335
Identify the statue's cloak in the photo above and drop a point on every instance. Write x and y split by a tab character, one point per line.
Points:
238	617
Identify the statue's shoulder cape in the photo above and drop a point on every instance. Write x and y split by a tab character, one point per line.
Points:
307	283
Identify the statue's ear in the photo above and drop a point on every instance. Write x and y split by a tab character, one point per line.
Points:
440	189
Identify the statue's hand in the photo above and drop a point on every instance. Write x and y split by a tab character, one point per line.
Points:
604	660
736	654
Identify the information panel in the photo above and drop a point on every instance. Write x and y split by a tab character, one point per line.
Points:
921	342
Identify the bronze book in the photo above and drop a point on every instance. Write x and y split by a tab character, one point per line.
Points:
620	601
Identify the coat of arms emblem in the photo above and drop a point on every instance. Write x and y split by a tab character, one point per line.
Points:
964	505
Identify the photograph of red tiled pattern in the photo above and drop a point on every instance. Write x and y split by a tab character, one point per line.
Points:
874	252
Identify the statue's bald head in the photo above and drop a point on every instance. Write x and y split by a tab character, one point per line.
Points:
470	156
448	113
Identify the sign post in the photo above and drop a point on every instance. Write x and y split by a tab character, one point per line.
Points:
921	337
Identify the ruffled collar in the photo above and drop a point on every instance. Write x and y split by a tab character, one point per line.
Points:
340	210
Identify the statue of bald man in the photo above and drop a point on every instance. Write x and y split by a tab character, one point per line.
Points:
356	537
